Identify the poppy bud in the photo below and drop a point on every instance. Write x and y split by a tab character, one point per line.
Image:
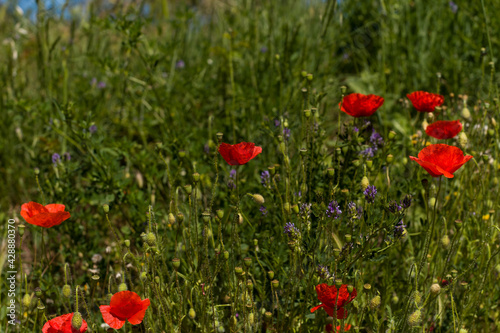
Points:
233	321
295	209
143	277
247	261
369	164
287	207
180	217
38	292
77	321
375	302
105	208
66	291
258	199
196	177
462	330
270	274
465	113
122	287
356	163
27	300
338	283
395	299
417	297
240	219
37	171
392	135
343	89
282	147
303	73
425	124
389	158
435	288
432	202
151	239
445	241
350	288
309	77
126	242
303	188
238	270
277	56
330	171
176	263
367	286
188	188
425	183
365	183
226	255
251	318
192	313
275	283
20	229
345	149
414	318
219	136
220	213
348	238
171	218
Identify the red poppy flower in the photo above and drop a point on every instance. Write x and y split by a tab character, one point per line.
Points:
62	324
444	129
441	159
240	153
329	328
124	305
359	105
44	216
328	294
424	101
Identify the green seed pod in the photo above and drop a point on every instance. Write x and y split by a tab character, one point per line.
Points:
248	262
37	171
331	172
295	209
414	318
462	330
350	288
122	287
270	274
375	302
188	188
275	283
206	217
369	164
432	202
251	318
348	238
176	263
226	255
38	292
389	158
356	163
338	283
192	313
151	239
395	299
287	207
445	241
77	321
171	218
126	242
417	297
27	300
367	286
249	284
364	183
392	135
343	90
105	208
20	229
66	291
220	213
238	270
182	153
180	217
309	77
258	199
143	277
196	177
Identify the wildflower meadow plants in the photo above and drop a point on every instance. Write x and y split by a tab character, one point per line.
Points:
276	166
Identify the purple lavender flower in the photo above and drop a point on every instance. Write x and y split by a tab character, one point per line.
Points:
333	210
323	272
399	229
232	176
355	129
305	209
232	173
291	231
394	207
453	7
368	152
276	122
370	193
56	158
286	133
265	178
101	85
263	210
376	139
354	212
406	202
180	64
93	129
68	156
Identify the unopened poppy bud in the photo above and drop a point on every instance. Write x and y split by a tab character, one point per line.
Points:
435	288
348	238
176	262
303	73
375	302
417	297
180	217
251	318
275	283
345	149
391	135
282	147
66	291
277	56
395	299
226	255
171	218
206	217
369	164
77	321
343	89
445	241
219	136
233	321
364	183
295	209
270	274
350	288
143	277
240	219
20	229
338	283
367	286
303	187
188	188
238	270
307	113
432	202
248	262
182	153
122	287
220	213
126	242
330	171
37	171
466	113
27	300
389	158
192	313
105	208
151	239
425	124
356	163
462	330
258	199
414	318
157	280
309	77
196	177
287	207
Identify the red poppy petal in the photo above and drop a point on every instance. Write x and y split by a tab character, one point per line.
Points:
32	208
424	101
109	319
125	304
430	168
139	316
55	208
256	151
317	307
444	129
444	172
226	152
243	152
48	220
341	313
359	105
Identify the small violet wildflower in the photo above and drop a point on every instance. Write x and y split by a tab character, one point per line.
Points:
56	158
93	129
291	231
399	229
276	122
101	85
265	178
232	177
453	7
263	210
68	156
394	207
180	64
323	272
333	210
406	202
370	193
286	133
354	212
